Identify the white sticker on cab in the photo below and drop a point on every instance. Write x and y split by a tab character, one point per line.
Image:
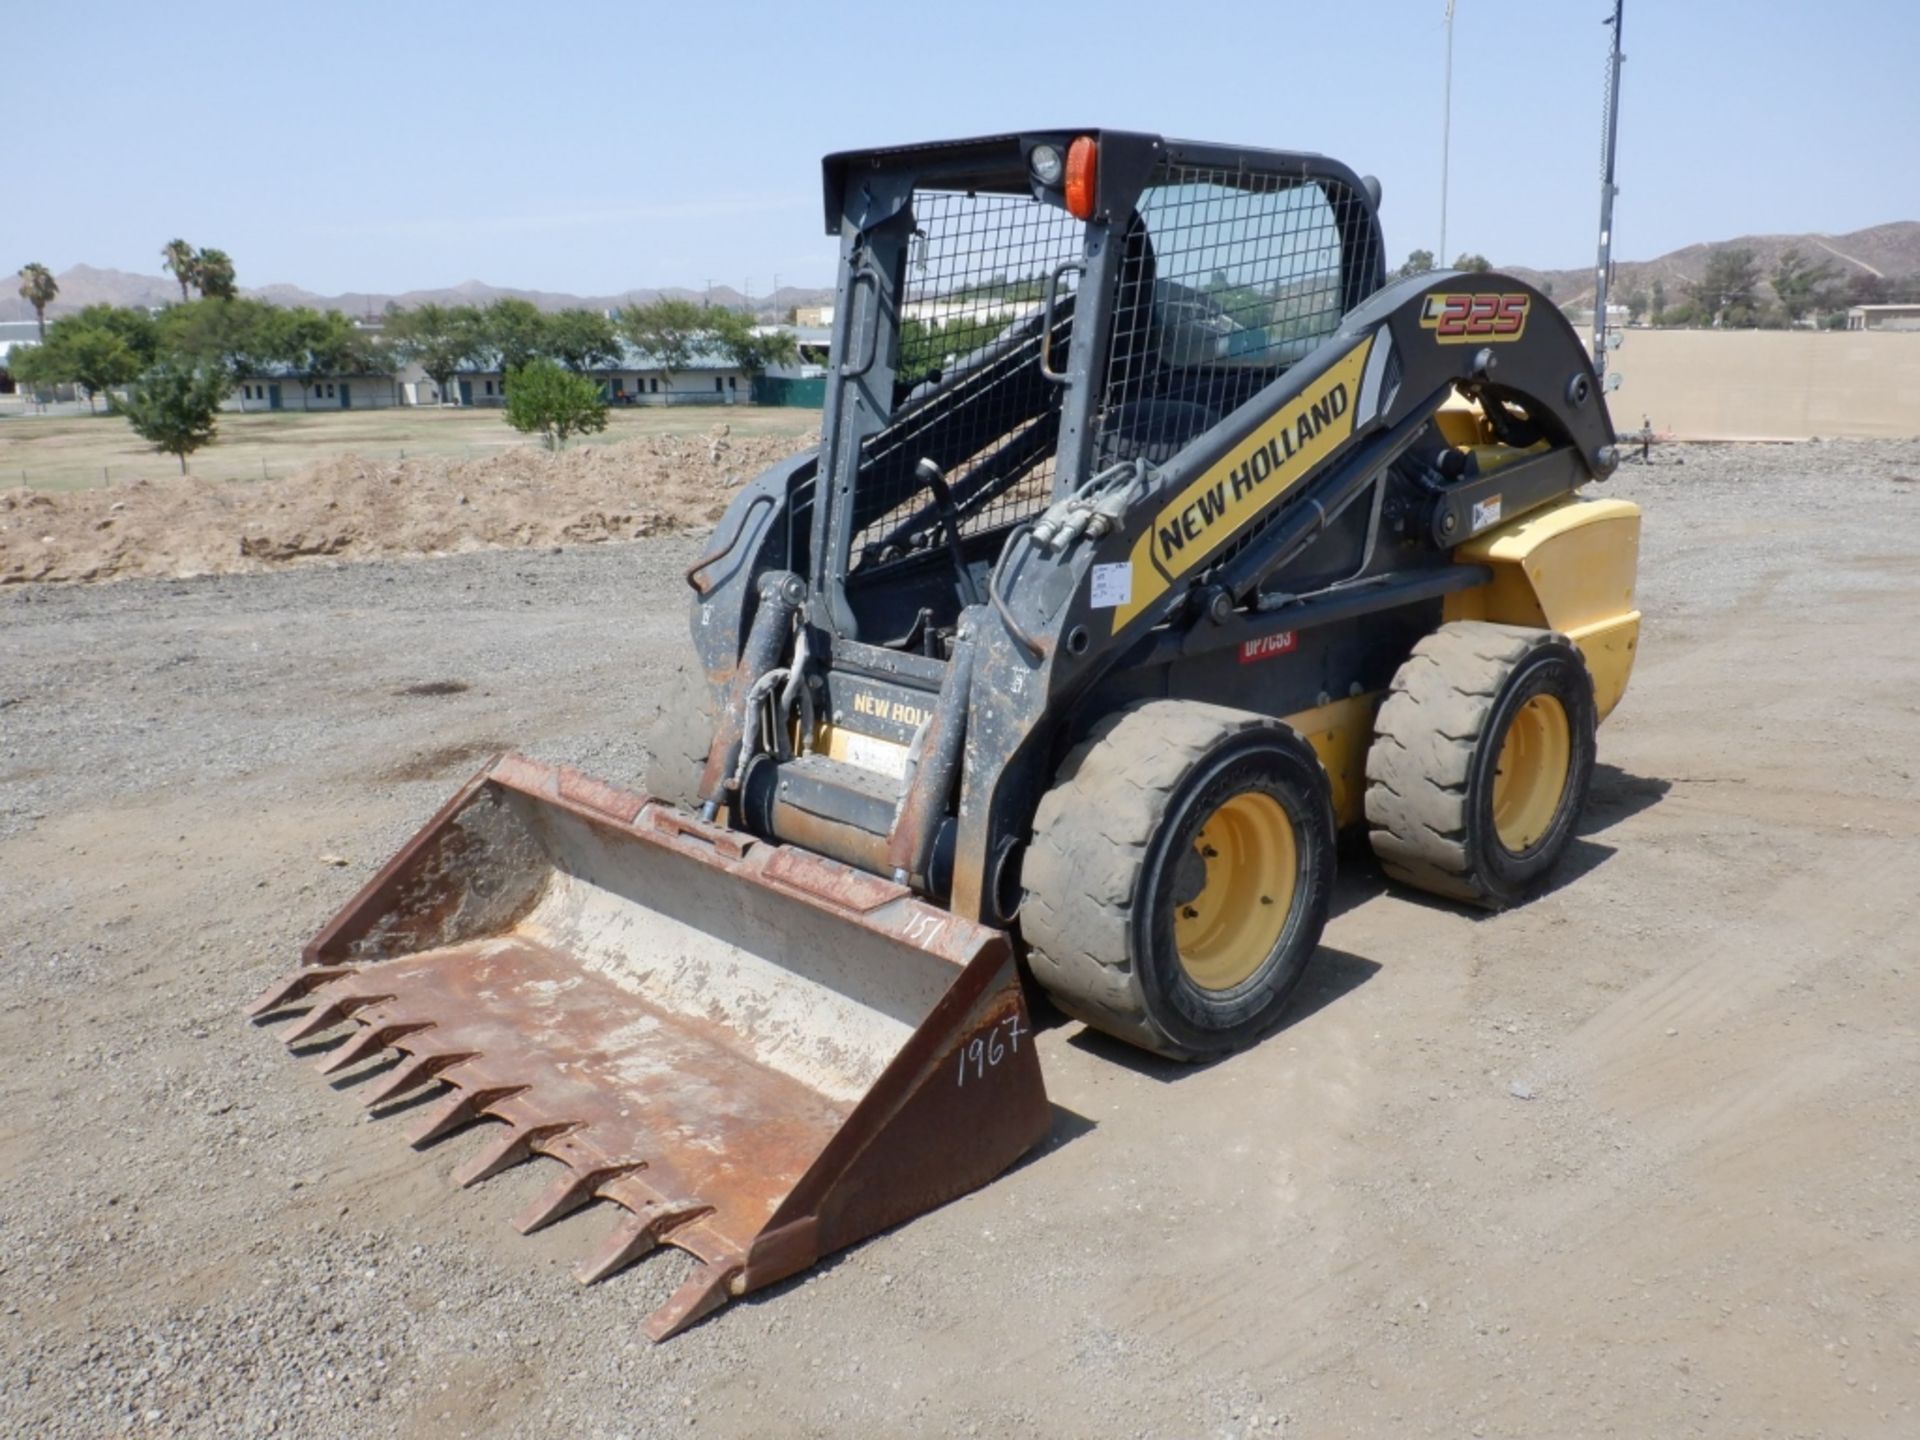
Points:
1486	512
1112	586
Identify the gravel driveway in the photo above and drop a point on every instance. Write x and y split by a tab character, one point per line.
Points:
1640	1159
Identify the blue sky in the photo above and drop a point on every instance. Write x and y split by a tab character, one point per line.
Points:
596	148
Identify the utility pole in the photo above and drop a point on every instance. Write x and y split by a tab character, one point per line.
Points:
1603	271
1446	142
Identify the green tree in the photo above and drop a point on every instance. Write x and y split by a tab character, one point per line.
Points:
33	367
1419	262
39	289
733	334
237	336
440	339
176	257
581	340
1659	301
514	330
669	331
313	345
175	407
100	360
545	398
1800	283
134	326
1725	291
1866	288
925	350
1636	305
1472	263
213	273
94	349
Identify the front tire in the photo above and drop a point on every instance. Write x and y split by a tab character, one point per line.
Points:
1179	876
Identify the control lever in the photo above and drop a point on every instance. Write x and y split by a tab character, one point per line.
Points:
935	479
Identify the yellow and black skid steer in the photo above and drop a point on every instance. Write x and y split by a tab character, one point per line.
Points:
1154	539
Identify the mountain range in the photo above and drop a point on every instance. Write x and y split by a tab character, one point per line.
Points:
1888	250
1892	250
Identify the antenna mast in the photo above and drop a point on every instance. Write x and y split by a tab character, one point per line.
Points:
1604	270
1446	142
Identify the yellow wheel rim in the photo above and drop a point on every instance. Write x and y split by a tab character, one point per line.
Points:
1530	775
1226	932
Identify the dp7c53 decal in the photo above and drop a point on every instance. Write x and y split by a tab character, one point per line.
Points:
1463	319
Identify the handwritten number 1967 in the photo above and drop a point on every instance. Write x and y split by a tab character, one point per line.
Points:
989	1048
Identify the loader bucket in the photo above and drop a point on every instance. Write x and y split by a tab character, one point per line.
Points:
758	1053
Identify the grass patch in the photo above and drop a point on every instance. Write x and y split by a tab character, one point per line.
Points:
77	452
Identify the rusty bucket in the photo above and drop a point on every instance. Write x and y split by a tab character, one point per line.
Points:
760	1054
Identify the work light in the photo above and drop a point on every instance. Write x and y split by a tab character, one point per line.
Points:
1047	165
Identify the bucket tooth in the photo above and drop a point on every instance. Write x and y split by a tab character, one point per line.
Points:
704	1291
566	1195
420	1070
326	1016
290	988
370	1041
631	1239
459	1108
506	1152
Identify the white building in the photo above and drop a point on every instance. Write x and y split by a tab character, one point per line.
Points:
931	310
272	387
811	347
639	379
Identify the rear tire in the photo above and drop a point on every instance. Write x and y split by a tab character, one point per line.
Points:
1481	760
678	739
1179	876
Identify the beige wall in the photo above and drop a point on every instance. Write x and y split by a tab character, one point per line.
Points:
1768	384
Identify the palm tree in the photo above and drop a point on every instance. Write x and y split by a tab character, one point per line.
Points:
177	256
38	288
213	273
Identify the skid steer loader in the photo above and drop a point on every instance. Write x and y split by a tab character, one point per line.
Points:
1154	539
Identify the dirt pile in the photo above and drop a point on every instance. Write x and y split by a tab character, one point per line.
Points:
350	508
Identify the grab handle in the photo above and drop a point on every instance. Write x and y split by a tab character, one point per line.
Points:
1058	377
871	333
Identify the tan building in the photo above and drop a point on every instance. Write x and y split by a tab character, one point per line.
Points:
1884	317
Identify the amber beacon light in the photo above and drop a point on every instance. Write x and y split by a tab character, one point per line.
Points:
1083	170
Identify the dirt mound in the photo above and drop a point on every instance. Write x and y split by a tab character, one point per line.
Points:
349	508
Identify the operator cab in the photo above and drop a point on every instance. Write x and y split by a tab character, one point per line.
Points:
1018	313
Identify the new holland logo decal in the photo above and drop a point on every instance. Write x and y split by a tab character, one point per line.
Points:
1465	319
1192	526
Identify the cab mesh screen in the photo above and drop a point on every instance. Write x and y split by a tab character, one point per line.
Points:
1226	279
969	394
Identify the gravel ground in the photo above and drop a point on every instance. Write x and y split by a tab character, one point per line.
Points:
1638	1159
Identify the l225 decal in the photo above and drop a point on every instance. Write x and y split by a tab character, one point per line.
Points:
1462	319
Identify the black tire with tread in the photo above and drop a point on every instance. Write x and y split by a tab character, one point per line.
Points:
1097	843
1436	740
